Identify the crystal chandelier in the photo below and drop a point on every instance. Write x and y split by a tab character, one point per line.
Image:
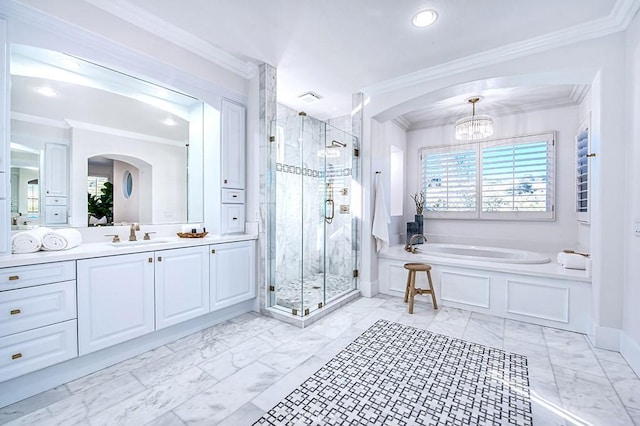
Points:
474	126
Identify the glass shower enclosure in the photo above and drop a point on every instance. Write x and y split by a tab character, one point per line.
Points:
312	232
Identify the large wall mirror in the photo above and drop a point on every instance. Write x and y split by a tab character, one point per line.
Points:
91	146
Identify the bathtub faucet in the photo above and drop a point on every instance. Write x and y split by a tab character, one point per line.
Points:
409	247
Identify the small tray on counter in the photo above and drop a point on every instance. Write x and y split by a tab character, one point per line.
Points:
192	234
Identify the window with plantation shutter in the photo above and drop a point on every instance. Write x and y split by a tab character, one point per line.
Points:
449	181
502	179
582	171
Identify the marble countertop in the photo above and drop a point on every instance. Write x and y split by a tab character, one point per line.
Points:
101	249
550	270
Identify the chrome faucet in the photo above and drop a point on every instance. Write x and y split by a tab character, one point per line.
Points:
409	246
132	231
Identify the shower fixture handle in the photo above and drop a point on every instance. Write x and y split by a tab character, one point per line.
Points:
329	204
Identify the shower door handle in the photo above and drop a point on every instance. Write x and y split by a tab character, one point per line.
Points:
328	203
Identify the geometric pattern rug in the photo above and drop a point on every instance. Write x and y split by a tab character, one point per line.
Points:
394	374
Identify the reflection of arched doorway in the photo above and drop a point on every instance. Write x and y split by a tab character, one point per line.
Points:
132	188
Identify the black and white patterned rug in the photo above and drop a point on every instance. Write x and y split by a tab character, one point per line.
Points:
394	374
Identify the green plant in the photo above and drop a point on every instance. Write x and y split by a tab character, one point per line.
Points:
102	206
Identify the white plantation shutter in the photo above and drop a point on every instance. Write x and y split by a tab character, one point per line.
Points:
582	172
449	180
502	179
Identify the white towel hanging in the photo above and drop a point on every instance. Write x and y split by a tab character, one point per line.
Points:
381	220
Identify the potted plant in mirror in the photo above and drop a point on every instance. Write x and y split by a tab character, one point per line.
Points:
101	207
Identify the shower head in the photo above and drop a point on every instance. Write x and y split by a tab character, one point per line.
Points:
335	143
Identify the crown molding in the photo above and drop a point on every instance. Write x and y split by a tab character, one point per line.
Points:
75	124
35	119
149	22
618	20
402	122
579	92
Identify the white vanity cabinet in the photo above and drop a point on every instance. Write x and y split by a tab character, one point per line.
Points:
232	154
181	285
233	145
115	300
56	177
232	273
37	317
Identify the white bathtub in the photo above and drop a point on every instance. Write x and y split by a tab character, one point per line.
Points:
482	253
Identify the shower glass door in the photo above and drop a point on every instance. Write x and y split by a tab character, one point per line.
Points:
311	254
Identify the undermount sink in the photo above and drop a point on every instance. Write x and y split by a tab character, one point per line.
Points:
139	242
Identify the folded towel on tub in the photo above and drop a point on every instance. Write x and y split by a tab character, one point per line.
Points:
572	260
28	241
61	239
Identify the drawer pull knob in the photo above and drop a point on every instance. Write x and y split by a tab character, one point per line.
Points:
15	311
151	260
16	356
225	181
213	251
234	196
235	218
14	277
159	258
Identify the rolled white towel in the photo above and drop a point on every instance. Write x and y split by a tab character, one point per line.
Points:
61	239
572	261
28	241
189	228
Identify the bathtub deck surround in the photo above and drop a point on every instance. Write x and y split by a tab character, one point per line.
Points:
233	373
517	286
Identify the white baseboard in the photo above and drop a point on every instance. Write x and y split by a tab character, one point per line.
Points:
369	288
605	337
630	350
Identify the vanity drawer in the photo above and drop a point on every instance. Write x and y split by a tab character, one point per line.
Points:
28	308
232	218
32	350
27	276
233	196
55	214
55	201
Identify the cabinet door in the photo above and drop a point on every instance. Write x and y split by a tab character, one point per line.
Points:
233	145
182	285
232	219
55	170
115	300
232	273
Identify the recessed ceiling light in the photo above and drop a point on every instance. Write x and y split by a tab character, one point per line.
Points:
45	91
424	18
309	97
169	121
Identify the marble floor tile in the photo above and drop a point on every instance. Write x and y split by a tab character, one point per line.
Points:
522	331
590	398
167	419
245	415
29	405
376	314
283	387
443	327
233	372
452	316
288	356
238	357
485	330
110	373
154	402
625	382
229	395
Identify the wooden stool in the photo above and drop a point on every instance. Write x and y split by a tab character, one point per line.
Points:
411	290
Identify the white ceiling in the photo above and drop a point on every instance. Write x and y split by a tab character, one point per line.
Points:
338	47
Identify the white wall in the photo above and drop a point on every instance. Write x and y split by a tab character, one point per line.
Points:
546	236
630	341
126	210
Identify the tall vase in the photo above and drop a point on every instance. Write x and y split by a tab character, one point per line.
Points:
420	221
